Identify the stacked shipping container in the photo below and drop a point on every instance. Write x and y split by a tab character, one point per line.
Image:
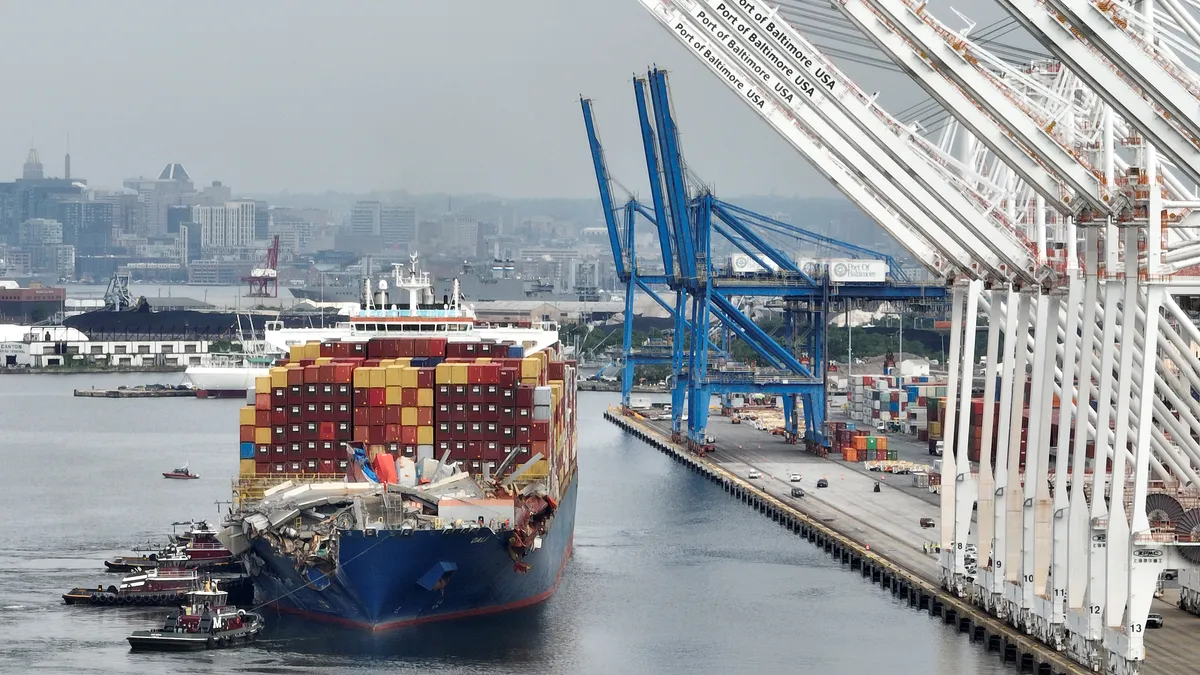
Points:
858	445
415	398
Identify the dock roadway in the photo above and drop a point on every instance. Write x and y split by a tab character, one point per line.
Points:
888	521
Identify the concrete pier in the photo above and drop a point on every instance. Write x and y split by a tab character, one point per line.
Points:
879	535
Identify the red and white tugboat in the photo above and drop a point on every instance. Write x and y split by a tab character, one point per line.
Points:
206	622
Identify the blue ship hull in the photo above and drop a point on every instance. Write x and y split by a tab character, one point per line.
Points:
391	580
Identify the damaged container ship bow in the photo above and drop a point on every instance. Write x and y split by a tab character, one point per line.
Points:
414	465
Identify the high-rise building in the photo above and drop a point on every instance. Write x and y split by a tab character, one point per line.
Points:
365	217
87	225
173	187
228	226
398	224
176	216
189	242
460	234
262	220
33	167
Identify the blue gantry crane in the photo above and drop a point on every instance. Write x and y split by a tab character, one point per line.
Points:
695	291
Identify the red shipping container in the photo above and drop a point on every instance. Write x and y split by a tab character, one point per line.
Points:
362	417
442	412
408	398
424	417
343	373
311	374
444	431
362	434
406	348
438	346
508	413
425	378
262	452
261	467
246	433
392	415
377	397
509	377
262	401
391	432
378	416
556	370
443	393
523	434
279	414
408	434
326	431
525	396
539	431
359	397
377	435
295	377
262	418
279	396
539	446
474	450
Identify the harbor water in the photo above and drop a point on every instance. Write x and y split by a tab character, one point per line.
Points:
669	575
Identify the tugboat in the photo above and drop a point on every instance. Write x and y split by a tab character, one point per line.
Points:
206	622
181	473
161	587
198	547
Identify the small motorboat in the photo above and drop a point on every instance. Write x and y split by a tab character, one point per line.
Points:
182	473
206	622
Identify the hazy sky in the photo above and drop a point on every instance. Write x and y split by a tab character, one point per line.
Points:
308	95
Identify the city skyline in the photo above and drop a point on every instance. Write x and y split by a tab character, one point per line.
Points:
431	98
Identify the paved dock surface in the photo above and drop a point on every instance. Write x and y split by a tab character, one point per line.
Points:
888	521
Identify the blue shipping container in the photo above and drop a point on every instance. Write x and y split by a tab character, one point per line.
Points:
515	352
247	451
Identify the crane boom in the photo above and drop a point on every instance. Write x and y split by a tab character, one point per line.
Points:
942	64
801	79
1146	115
924	238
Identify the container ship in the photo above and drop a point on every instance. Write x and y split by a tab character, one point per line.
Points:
415	466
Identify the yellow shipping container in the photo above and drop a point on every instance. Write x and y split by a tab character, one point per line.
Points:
386	363
556	393
459	373
530	380
408	417
391	395
408	378
394	376
295	352
531	367
246	416
444	373
262	385
378	377
425	398
278	377
375	450
483	359
404	361
246	468
324	360
539	469
362	378
424	435
262	435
